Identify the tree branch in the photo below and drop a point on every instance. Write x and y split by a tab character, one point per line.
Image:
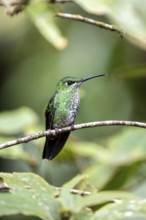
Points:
60	1
41	134
14	6
91	21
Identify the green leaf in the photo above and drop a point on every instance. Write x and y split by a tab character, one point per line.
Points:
104	197
28	194
85	214
70	201
75	203
89	149
127	155
103	171
17	153
42	15
17	121
127	147
128	15
121	209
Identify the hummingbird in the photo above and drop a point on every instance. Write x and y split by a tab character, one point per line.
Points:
61	112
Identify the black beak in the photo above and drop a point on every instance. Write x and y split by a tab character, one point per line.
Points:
91	77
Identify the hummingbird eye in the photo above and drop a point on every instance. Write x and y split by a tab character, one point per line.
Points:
69	83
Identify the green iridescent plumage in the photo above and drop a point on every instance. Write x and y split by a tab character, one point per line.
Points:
61	112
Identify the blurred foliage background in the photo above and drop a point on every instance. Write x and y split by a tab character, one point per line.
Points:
36	50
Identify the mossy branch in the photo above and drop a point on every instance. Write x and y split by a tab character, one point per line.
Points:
91	21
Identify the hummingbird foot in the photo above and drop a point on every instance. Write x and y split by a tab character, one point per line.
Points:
72	127
56	131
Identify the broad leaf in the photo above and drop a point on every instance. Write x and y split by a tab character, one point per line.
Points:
43	17
128	15
17	121
77	202
121	210
127	147
71	201
100	174
17	153
28	194
85	214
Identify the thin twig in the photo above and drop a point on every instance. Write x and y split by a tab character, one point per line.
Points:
60	1
41	134
4	186
76	191
90	21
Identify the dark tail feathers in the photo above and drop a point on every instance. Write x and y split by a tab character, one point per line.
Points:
54	145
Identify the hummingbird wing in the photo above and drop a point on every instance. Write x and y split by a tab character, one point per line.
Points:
53	145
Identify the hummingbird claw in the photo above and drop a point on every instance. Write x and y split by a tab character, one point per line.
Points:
56	131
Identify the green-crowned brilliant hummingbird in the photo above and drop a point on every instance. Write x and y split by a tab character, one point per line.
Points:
61	112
